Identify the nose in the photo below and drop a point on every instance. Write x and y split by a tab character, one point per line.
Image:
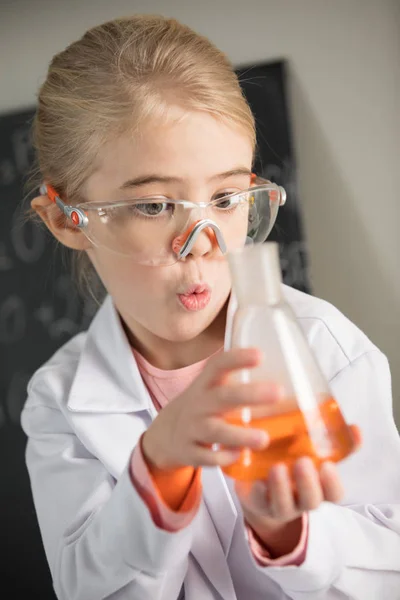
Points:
201	239
203	245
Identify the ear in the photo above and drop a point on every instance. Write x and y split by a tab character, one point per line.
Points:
60	226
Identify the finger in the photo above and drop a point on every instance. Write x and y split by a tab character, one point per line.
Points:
308	487
356	435
282	504
204	457
238	358
217	431
253	495
230	397
330	482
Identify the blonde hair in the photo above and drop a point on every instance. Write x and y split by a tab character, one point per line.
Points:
117	75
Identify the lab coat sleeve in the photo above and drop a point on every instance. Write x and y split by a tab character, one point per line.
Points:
354	548
98	534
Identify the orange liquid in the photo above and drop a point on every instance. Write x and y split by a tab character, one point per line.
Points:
321	434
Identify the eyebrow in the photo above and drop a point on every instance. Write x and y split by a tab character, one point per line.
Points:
154	178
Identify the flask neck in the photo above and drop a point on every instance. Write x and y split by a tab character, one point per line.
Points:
256	274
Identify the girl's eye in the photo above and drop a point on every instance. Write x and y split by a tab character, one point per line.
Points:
226	201
152	209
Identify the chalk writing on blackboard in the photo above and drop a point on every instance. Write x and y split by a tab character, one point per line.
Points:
8	172
12	320
22	149
58	317
28	240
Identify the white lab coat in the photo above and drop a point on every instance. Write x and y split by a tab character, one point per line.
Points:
86	409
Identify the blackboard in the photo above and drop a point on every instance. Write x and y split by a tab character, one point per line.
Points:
40	309
265	88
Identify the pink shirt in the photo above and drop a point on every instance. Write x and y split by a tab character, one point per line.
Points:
163	386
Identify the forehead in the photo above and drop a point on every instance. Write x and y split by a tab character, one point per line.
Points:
193	147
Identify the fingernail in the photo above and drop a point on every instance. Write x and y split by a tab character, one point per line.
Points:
304	463
261	438
279	469
328	466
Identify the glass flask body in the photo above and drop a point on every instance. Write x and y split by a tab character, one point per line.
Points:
307	420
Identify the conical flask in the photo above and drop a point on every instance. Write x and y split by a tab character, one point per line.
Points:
307	421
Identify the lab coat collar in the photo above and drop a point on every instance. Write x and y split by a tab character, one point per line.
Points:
107	379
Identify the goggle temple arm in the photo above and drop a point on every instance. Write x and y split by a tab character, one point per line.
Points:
255	179
77	216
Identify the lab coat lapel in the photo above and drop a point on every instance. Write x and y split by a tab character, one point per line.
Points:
107	378
220	505
209	554
108	401
215	524
111	438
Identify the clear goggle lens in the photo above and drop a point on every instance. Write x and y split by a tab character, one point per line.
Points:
152	231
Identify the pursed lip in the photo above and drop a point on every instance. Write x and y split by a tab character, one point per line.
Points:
195	297
196	288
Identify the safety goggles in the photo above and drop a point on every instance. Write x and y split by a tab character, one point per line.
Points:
159	231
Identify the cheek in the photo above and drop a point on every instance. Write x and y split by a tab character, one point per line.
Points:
127	281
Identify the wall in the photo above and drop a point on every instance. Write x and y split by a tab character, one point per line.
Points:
345	90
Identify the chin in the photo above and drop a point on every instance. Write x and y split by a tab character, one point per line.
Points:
186	327
184	332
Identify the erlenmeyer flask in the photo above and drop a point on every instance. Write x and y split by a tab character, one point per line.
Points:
307	421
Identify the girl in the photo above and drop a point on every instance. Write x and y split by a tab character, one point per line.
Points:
145	145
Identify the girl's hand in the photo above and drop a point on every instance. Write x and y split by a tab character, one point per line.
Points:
274	508
184	431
